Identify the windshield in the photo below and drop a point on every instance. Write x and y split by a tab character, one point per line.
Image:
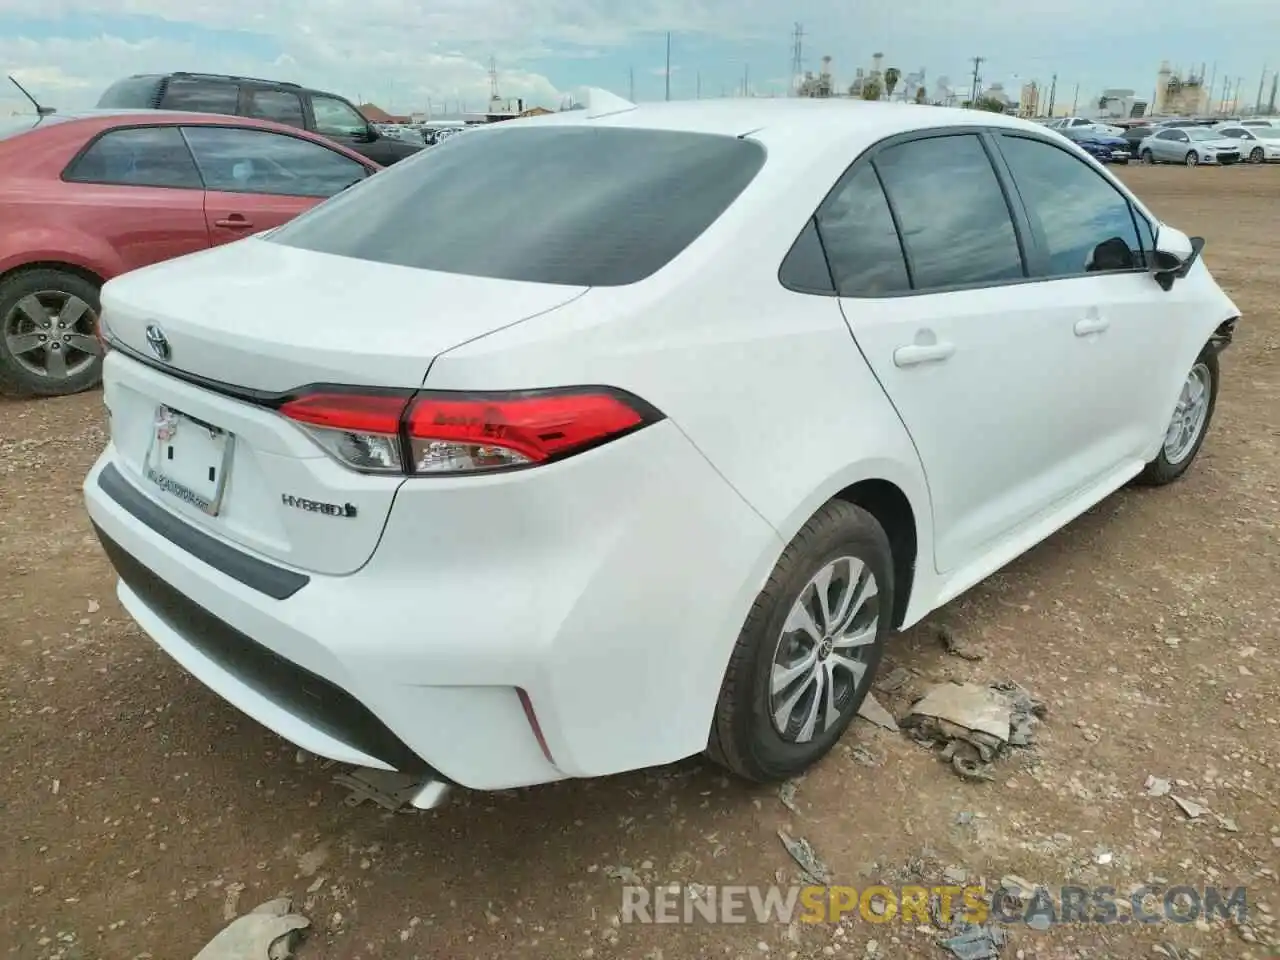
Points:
578	205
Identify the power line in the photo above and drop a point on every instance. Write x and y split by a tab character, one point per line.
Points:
973	88
797	57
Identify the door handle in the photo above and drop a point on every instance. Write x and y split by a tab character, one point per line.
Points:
918	353
234	222
1091	325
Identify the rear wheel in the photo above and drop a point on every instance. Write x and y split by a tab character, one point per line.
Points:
808	652
1148	157
1192	159
1189	423
48	337
1255	155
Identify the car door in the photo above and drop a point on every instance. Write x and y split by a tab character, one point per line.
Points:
929	266
258	179
1094	247
1171	145
137	188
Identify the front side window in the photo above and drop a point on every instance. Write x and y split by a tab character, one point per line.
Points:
280	106
202	96
861	240
257	161
952	212
335	118
138	157
578	205
1086	222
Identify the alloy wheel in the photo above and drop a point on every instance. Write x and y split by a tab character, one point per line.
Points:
1192	159
1189	415
820	657
1255	155
52	334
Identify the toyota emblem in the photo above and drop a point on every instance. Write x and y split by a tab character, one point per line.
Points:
158	342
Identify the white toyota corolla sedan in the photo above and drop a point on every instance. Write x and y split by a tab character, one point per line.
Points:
588	443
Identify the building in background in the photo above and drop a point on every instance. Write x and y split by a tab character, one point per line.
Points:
1178	95
1029	100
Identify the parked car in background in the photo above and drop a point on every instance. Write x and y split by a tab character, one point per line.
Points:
87	197
1100	146
1260	122
962	332
315	111
1191	146
1134	135
1269	139
1080	123
1249	141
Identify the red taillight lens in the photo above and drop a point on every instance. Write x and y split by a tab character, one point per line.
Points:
450	433
361	430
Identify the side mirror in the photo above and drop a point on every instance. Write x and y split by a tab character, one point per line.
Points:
1175	255
370	133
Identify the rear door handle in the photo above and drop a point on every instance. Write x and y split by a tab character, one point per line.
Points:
1091	325
234	222
916	354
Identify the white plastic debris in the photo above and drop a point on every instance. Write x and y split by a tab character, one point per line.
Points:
270	931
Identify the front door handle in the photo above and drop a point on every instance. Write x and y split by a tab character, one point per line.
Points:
1091	325
234	222
918	353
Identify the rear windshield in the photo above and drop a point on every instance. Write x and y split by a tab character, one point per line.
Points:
579	205
131	92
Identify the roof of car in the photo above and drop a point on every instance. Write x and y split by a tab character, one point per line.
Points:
814	119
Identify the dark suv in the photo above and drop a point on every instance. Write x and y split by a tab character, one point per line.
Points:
324	113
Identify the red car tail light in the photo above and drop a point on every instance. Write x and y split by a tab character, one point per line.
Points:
433	433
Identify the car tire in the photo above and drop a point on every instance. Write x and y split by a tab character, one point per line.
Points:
1175	457
1256	155
26	367
746	737
1148	157
1192	159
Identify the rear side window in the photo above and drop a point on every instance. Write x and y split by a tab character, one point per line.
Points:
586	206
955	223
860	239
202	96
278	105
1086	223
137	157
131	93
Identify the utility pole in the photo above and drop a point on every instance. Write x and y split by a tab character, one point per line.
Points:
1213	81
1275	83
631	84
973	87
1053	95
668	71
1257	105
1235	97
1075	100
797	58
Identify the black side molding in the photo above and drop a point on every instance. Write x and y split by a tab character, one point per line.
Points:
276	582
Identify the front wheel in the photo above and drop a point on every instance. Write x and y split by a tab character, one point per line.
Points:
1255	155
1189	423
808	652
1148	157
1192	159
48	334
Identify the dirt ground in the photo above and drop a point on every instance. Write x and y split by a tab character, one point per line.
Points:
140	810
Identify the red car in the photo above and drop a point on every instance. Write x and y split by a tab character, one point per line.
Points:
85	197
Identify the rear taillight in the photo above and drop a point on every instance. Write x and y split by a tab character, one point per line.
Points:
443	432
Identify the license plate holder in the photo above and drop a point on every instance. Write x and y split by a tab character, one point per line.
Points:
189	459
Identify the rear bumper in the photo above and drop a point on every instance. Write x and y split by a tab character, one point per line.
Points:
610	589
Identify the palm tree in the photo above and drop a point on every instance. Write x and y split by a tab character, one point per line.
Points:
922	95
871	89
891	78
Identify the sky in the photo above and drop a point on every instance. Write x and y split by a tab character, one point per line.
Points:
407	55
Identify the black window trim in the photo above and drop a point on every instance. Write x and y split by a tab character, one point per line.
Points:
292	132
1041	242
1017	215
